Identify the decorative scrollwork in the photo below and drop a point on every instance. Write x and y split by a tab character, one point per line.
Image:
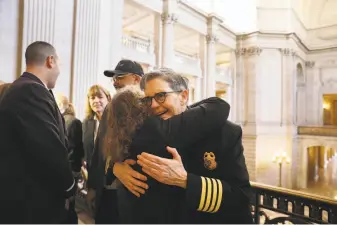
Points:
310	64
169	18
287	51
211	38
251	51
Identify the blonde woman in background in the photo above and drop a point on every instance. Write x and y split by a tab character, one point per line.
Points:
97	99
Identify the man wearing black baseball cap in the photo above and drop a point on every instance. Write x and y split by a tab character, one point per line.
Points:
100	192
127	72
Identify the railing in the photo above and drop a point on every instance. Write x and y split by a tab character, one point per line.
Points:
223	74
186	59
318	131
285	205
137	44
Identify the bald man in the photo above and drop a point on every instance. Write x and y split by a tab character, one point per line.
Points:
36	178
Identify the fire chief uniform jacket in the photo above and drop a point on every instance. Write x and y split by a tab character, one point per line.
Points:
163	203
218	185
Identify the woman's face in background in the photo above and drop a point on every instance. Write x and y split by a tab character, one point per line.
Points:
98	102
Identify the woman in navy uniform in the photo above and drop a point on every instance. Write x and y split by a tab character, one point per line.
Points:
132	130
212	171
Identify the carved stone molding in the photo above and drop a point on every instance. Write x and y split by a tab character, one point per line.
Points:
251	51
287	51
211	38
240	52
310	64
317	131
169	18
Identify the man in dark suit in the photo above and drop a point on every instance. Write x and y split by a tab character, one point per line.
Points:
36	178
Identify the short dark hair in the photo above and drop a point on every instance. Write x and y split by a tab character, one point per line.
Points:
37	52
176	81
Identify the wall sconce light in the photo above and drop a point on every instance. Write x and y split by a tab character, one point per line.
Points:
326	105
280	159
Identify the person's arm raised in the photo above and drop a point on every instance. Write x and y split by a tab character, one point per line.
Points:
195	123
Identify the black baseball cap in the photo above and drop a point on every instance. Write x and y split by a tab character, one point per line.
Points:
124	67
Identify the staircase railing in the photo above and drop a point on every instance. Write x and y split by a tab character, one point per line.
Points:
274	205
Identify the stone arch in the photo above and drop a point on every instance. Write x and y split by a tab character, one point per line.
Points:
302	157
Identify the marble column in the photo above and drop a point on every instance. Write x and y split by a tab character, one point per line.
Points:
239	84
311	93
157	39
197	89
38	24
249	72
232	91
211	39
110	39
168	56
97	46
10	57
50	21
203	65
288	84
39	21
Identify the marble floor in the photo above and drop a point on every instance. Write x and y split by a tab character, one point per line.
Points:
326	184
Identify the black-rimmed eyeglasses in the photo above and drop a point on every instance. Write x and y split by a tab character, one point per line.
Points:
160	97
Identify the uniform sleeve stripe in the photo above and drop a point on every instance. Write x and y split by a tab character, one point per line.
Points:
209	194
215	195
219	199
203	193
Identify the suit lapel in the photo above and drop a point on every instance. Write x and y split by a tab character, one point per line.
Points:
90	132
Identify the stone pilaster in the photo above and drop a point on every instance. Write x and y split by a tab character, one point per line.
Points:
97	46
85	62
211	40
38	25
203	65
157	38
169	18
247	69
312	90
288	92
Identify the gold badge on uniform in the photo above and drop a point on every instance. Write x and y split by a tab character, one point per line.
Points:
209	161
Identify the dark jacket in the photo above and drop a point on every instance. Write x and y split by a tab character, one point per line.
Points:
75	144
163	203
88	139
34	170
218	186
96	171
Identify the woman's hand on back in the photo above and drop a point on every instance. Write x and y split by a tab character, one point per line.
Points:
130	178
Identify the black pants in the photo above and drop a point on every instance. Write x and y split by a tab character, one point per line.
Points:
107	211
72	215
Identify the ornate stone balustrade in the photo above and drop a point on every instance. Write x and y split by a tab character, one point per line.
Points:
223	75
317	131
137	44
290	206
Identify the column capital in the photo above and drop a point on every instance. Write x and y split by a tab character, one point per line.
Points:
251	51
211	38
169	18
310	64
287	51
